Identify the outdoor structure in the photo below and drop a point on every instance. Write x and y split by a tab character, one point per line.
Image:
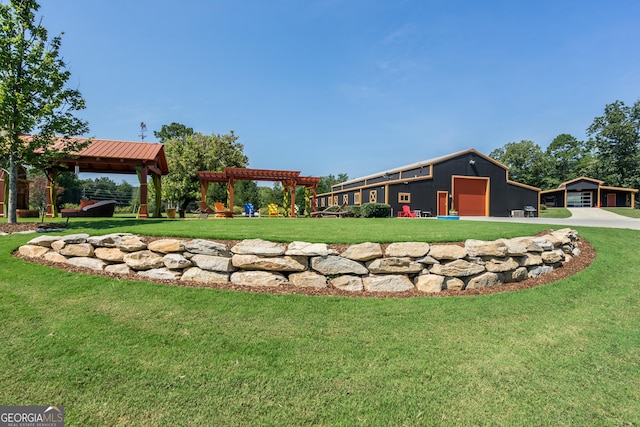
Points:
467	182
289	179
23	191
113	157
586	192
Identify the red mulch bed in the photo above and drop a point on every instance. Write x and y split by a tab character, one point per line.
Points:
587	255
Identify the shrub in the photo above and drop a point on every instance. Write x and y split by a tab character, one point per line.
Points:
355	211
375	210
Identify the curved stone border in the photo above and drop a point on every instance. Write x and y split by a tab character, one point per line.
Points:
404	266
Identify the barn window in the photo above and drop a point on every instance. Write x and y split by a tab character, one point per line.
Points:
373	196
322	202
404	197
335	200
345	198
356	198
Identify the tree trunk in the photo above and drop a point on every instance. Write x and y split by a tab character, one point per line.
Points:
12	205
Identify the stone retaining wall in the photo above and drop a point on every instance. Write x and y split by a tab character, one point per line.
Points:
362	267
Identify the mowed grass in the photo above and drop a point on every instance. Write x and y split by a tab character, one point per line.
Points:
631	213
117	352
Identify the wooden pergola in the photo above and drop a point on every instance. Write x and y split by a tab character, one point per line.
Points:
289	179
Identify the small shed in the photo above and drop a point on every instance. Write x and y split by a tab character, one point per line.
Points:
468	182
584	192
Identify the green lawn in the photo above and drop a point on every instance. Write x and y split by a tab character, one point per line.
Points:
555	213
116	352
631	213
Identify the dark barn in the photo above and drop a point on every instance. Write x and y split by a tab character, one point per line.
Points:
467	182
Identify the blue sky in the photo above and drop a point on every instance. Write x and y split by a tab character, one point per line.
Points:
349	86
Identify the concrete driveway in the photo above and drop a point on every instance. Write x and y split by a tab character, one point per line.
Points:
587	217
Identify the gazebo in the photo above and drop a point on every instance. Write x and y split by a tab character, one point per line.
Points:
289	179
115	157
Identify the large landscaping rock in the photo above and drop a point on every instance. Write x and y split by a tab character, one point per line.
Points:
176	261
160	274
332	265
309	249
131	244
143	260
32	251
109	254
212	263
407	249
258	278
76	250
457	268
387	283
259	247
166	246
207	247
254	262
447	252
196	274
394	265
363	251
43	241
308	279
87	262
485	248
347	283
429	283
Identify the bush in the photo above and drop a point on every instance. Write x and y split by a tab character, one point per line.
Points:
375	210
355	211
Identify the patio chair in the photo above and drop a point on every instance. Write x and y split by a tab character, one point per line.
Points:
249	210
406	212
273	209
204	209
221	212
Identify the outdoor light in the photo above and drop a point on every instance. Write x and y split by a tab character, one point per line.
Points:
76	169
472	162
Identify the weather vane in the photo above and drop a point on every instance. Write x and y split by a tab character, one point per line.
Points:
143	129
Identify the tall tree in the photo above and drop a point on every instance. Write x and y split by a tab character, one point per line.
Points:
526	161
194	153
173	131
616	138
33	97
326	182
569	158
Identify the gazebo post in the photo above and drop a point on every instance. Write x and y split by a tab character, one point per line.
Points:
157	185
292	189
142	177
204	185
52	175
230	184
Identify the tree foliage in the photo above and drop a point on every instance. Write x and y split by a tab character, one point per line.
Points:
616	138
190	153
173	131
33	96
526	161
568	158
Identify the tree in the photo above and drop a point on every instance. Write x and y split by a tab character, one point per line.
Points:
526	161
568	158
186	156
326	182
33	97
173	131
616	139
